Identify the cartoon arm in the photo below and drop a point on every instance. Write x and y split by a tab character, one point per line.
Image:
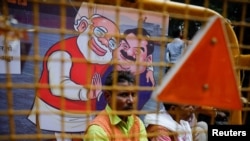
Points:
59	75
150	75
150	70
96	86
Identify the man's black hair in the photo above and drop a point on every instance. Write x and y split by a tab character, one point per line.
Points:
135	31
176	33
122	76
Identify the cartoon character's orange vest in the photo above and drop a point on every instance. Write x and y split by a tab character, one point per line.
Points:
113	132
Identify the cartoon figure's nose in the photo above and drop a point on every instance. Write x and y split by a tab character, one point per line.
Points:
104	41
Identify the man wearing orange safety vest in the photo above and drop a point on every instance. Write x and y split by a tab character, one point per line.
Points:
116	122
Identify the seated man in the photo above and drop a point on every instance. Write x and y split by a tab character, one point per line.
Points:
116	121
187	113
176	124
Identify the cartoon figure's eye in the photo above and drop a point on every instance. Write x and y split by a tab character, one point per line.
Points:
112	43
99	31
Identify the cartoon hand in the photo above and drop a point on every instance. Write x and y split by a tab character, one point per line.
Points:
150	77
96	86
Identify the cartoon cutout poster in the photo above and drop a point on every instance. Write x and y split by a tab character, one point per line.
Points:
87	60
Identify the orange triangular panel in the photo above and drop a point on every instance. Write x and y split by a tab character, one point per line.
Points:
205	75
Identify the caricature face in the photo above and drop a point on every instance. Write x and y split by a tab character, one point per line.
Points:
101	40
129	51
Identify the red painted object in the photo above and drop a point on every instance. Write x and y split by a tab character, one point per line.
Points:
205	75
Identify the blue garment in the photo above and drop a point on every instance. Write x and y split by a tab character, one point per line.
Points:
143	96
175	50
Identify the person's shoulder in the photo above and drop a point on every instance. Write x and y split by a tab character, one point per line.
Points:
95	131
178	40
169	43
140	122
137	118
94	127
